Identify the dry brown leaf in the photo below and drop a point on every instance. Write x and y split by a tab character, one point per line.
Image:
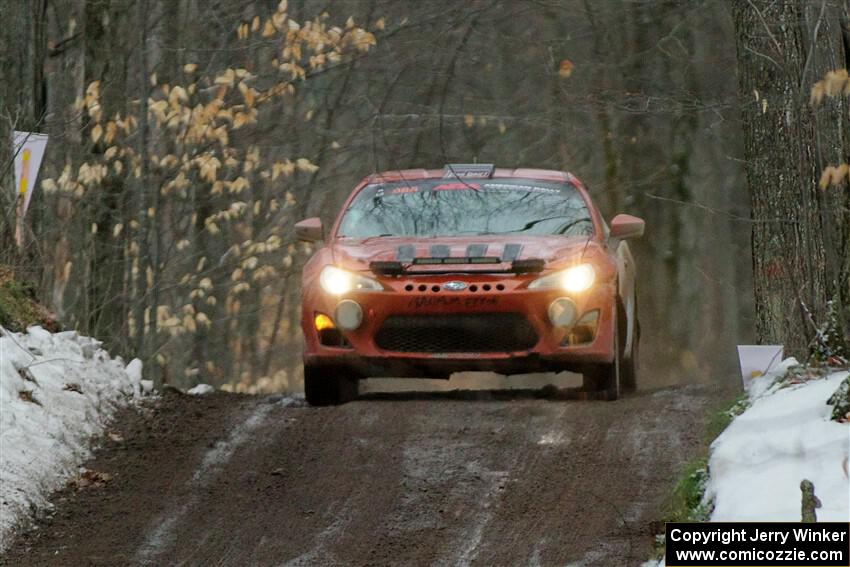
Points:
835	81
89	479
96	133
825	177
839	174
817	94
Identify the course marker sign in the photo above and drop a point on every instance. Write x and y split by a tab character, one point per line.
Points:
757	360
28	149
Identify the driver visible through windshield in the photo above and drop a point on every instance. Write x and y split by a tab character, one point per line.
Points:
453	207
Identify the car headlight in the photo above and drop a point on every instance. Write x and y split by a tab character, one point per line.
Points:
336	281
575	279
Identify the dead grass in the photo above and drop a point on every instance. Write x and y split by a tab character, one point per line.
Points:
19	308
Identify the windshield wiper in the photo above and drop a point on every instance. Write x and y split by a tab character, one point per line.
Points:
572	224
535	222
365	240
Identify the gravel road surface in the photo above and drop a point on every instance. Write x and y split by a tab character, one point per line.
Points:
402	479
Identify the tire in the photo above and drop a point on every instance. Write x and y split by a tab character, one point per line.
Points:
606	378
329	386
630	362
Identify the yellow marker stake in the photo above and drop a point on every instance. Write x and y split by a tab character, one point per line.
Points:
25	169
22	197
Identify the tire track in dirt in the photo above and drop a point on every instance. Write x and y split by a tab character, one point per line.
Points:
159	536
588	501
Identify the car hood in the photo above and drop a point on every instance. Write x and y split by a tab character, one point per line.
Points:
356	254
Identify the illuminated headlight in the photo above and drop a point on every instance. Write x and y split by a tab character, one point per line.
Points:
576	279
336	281
348	315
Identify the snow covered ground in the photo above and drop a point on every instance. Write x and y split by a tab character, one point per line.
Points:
784	436
57	391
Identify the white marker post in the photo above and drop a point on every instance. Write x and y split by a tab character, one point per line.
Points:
28	149
757	360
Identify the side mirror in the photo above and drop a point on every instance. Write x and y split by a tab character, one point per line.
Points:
309	230
626	226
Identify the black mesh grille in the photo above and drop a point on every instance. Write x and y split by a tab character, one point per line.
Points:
473	332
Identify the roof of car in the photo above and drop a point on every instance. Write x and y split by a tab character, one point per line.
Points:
522	172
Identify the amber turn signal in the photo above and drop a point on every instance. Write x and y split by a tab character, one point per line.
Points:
323	322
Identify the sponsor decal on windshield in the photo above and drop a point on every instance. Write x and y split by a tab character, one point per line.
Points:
405	189
456	186
516	187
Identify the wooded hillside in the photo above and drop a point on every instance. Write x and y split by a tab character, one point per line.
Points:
168	232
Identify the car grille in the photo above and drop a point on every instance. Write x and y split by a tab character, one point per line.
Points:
473	332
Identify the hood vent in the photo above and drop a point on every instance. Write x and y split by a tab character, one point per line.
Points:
456	260
395	268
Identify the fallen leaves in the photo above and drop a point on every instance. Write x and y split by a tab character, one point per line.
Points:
89	479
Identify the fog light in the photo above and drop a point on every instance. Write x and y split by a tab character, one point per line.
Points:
562	312
348	315
584	331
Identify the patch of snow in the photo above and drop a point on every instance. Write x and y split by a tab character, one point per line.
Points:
200	390
595	556
57	391
551	438
785	436
493	480
221	452
767	383
134	370
321	553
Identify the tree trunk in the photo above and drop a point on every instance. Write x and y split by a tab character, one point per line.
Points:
142	236
783	48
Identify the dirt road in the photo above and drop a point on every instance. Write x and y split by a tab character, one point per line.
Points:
412	480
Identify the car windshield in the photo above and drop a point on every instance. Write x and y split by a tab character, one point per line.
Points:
452	207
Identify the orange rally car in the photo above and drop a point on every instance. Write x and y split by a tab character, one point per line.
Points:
429	272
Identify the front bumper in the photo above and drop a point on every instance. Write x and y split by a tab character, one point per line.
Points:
424	296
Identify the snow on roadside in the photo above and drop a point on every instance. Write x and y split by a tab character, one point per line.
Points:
785	436
57	391
200	390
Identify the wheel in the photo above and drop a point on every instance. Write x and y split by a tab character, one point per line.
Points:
328	386
629	362
606	378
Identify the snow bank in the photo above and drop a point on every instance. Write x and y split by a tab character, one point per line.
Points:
785	436
56	392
